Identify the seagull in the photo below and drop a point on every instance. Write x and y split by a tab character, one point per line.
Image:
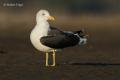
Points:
50	39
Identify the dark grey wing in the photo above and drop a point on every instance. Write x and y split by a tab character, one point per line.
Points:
54	31
60	41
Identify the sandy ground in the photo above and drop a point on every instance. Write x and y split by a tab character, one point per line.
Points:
98	60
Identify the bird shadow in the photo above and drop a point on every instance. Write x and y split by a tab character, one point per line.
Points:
3	52
90	64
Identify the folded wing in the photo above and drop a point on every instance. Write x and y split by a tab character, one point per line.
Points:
59	41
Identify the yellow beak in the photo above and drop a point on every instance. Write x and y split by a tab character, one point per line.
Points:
51	18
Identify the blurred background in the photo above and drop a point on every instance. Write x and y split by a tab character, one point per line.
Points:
99	18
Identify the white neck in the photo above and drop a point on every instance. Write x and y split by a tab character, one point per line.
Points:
41	29
42	24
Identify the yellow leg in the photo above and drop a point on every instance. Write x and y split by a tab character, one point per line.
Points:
46	59
54	59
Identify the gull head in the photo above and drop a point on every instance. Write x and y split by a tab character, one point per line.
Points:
43	15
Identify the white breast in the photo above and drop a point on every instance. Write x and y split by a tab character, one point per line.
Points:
38	32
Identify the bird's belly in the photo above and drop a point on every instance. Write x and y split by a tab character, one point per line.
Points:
35	40
39	46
